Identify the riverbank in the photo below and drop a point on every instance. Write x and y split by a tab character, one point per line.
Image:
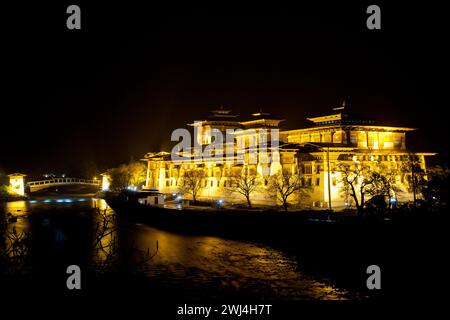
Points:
120	255
338	248
5	196
228	254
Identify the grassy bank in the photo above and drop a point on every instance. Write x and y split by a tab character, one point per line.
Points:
6	196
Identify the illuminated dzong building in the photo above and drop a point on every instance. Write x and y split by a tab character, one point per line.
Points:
315	152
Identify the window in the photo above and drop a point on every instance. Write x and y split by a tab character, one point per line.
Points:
315	137
305	138
371	139
317	181
326	137
307	169
362	140
337	137
397	140
353	138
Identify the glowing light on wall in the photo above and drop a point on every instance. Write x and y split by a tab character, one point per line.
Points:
17	183
106	181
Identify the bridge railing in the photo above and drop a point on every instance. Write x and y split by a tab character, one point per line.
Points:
63	181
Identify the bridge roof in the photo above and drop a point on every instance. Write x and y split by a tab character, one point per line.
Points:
17	175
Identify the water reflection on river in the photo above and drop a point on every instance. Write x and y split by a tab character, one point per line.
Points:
179	260
232	265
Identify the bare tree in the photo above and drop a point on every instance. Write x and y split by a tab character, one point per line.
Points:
384	183
119	178
137	173
130	174
411	167
191	182
109	255
14	251
285	184
245	183
358	180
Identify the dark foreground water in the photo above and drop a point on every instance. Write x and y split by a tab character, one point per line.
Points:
114	254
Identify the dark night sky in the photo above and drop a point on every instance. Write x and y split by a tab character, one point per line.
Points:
82	101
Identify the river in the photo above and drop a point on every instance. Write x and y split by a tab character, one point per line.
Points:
86	231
